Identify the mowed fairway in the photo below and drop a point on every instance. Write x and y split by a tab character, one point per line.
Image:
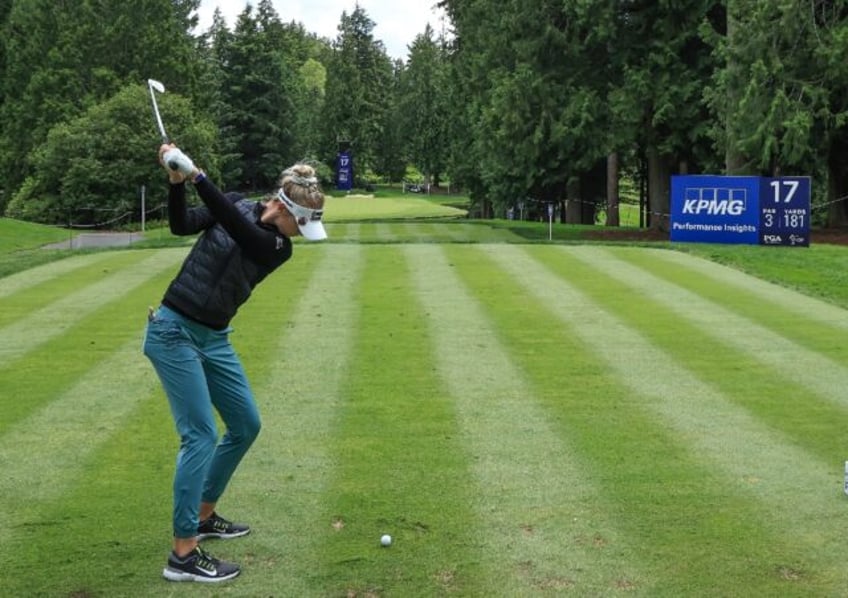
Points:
523	419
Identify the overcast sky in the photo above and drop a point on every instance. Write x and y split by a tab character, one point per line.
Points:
397	22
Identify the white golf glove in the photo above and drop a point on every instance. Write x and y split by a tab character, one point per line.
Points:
176	160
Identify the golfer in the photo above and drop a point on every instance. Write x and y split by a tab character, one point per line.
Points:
187	339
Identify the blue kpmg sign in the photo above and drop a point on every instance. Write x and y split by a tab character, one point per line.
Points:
344	171
740	209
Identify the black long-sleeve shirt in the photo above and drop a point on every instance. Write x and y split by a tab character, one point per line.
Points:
234	253
262	242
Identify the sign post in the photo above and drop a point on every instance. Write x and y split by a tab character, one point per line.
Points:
550	222
143	208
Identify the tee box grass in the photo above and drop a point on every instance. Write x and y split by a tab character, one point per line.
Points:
523	417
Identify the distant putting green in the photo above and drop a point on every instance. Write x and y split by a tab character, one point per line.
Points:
365	207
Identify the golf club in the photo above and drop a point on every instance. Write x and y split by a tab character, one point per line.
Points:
156	86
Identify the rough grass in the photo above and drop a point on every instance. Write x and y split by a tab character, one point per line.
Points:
20	244
16	235
818	270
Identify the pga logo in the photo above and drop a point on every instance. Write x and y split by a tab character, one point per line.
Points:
772	239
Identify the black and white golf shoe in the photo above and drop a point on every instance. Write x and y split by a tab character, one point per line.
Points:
199	565
218	527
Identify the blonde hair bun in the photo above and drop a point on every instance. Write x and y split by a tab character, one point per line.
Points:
300	183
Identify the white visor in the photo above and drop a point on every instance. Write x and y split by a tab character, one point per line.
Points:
311	227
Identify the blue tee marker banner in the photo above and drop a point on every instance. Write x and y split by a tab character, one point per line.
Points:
740	209
785	211
344	171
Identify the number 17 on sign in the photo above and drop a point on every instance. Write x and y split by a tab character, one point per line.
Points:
785	211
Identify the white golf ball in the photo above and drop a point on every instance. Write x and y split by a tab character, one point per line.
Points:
386	540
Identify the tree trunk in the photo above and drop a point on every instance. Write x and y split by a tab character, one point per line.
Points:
837	183
573	209
659	211
592	192
612	190
486	209
734	162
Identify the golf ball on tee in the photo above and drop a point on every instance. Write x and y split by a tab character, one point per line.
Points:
386	540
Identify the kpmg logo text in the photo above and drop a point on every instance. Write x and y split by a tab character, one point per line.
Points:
713	201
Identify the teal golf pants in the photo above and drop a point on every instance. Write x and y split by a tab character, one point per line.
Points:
200	371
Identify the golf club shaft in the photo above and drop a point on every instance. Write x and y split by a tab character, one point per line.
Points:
165	138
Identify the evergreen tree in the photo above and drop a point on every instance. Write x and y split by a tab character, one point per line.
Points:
789	80
425	105
552	89
359	77
313	75
216	47
261	86
666	66
309	57
537	104
391	156
470	62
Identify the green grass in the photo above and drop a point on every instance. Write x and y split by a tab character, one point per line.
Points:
16	235
818	270
628	215
366	207
20	244
524	417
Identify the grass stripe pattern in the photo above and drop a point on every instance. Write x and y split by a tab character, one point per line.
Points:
726	436
40	326
786	358
774	296
15	283
527	507
523	419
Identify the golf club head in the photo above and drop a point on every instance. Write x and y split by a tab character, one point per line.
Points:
157	85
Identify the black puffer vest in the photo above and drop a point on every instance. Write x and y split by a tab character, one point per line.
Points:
216	277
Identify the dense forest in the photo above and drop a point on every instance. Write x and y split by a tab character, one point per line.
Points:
526	102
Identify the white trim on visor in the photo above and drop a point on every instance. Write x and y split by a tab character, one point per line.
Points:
312	228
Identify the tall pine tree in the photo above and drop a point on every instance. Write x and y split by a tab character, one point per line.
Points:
359	78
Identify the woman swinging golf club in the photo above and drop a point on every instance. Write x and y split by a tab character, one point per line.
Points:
187	340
